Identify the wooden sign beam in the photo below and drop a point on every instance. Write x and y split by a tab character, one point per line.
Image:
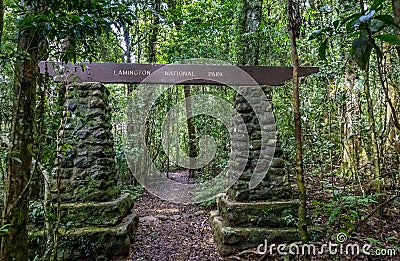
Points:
190	74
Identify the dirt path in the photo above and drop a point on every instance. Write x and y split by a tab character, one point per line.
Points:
169	231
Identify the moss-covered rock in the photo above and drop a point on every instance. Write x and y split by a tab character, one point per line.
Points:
263	214
95	220
91	243
230	240
101	214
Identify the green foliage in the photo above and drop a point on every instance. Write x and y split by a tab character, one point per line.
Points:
362	28
209	204
36	212
344	210
389	38
205	125
4	229
73	28
199	29
362	48
338	31
134	191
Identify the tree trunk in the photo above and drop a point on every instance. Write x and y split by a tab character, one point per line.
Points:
36	185
154	32
1	20
391	88
15	210
390	93
192	150
353	152
294	28
396	14
348	113
249	22
371	120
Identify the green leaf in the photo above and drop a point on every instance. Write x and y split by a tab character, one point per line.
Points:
377	5
362	47
322	49
316	202
315	34
351	17
353	24
336	24
388	20
373	241
376	25
389	38
333	215
349	225
4	229
318	33
17	159
354	214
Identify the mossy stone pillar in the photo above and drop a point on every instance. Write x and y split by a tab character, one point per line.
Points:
98	217
247	217
87	166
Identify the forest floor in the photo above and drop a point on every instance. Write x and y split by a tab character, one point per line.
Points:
172	232
176	232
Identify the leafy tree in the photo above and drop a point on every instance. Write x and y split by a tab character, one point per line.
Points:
15	210
1	19
77	25
294	18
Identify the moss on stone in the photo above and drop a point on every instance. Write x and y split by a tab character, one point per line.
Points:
103	243
230	240
265	214
96	213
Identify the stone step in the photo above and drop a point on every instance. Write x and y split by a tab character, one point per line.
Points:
275	214
85	243
100	214
230	240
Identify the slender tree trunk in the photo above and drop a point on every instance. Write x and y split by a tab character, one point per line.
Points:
390	93
127	41
349	112
1	20
192	150
15	210
353	152
129	86
248	27
294	28
154	32
371	120
375	155
389	114
1	37
396	14
36	185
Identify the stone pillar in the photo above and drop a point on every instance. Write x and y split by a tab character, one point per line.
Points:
87	166
246	217
96	219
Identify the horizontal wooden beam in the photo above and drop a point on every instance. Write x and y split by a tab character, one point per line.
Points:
190	74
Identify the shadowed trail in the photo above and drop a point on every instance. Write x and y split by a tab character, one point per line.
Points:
170	231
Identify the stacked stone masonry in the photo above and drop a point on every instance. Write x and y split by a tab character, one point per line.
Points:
96	219
247	217
87	167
